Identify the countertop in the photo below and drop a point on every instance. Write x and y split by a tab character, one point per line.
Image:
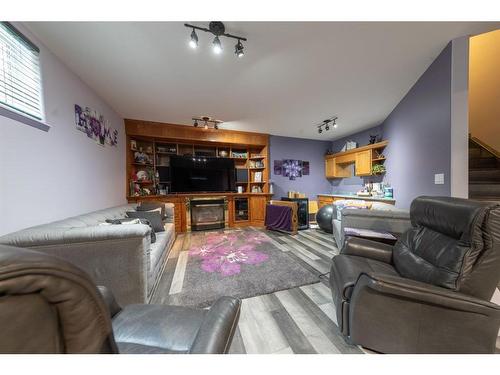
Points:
354	196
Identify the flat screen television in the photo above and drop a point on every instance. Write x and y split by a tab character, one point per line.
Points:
202	174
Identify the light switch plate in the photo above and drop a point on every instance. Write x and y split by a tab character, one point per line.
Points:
439	179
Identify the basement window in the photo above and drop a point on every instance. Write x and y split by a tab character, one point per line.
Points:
20	78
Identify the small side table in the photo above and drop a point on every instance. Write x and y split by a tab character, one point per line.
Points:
369	234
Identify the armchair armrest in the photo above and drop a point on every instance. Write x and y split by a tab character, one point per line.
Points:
368	249
217	330
427	293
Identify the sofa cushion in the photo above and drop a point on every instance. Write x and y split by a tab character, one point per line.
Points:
150	206
347	268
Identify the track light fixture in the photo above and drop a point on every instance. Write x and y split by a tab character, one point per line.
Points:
207	121
238	49
326	124
218	29
217	47
193	43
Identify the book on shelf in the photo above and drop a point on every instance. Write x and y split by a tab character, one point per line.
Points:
257	177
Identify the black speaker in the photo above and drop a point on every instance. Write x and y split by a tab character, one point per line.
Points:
302	210
241	175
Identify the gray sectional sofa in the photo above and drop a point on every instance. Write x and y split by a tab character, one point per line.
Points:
120	257
382	217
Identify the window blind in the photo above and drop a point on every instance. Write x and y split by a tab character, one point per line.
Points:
20	82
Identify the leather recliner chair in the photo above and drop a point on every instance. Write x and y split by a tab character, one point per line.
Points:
49	306
430	292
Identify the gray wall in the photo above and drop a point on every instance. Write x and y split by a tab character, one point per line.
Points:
46	176
300	149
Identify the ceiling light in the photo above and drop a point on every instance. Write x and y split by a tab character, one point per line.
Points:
217	29
193	43
195	123
217	47
320	130
216	126
238	49
206	125
327	127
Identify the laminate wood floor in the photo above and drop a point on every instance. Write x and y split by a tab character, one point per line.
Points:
298	320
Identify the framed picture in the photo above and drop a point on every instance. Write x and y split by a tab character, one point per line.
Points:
133	145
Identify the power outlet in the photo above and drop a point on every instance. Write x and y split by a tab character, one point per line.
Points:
439	179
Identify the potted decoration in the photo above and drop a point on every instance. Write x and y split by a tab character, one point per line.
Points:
378	169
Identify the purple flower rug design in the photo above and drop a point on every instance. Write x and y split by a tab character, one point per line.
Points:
240	263
223	253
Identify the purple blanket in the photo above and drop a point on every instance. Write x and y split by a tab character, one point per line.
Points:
278	218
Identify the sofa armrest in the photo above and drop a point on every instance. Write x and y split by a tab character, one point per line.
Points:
47	235
368	249
427	293
116	256
217	330
110	301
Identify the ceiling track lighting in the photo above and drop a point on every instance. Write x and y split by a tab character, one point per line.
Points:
207	122
193	43
326	124
218	29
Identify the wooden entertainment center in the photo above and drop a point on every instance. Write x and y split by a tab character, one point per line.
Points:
149	145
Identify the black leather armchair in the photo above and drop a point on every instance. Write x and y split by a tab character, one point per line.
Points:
49	306
430	292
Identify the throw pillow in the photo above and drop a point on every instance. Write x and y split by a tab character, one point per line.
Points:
149	206
153	217
130	222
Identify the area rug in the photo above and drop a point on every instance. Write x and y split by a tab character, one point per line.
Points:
237	263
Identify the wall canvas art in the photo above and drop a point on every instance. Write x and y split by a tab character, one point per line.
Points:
291	168
95	126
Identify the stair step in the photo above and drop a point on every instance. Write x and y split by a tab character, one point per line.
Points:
486	199
484	190
484	175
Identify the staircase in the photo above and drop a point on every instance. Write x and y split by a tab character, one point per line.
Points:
484	171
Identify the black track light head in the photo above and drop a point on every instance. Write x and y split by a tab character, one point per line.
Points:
238	49
320	130
327	127
195	123
193	43
216	126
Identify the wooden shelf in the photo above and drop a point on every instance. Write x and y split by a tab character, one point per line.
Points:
257	157
144	182
143	165
255	182
165	153
378	159
256	168
375	146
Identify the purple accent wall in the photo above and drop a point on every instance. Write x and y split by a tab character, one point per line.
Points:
353	184
300	149
419	134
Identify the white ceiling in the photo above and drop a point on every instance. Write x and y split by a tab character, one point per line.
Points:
293	75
